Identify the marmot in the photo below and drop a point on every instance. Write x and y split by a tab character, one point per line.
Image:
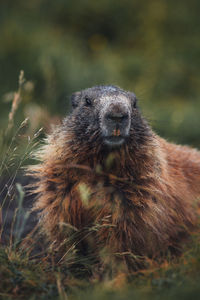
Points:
105	167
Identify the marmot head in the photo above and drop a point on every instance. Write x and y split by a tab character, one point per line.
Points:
107	114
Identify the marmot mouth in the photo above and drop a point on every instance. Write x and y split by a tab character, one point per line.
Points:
114	140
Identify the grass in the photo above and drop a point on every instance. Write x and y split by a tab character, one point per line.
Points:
30	271
23	276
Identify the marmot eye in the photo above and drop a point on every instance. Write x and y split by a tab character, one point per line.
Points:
88	101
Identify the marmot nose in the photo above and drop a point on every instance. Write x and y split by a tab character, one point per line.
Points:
117	117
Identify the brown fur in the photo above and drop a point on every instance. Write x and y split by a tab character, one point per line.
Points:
142	201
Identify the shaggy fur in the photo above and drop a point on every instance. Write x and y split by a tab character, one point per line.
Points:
140	196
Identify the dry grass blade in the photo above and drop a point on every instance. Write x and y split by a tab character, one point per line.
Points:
15	103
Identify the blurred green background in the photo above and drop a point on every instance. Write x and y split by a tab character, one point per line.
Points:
150	47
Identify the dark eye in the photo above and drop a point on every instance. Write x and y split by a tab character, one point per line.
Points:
88	101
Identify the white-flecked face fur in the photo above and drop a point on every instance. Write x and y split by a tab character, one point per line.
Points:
105	111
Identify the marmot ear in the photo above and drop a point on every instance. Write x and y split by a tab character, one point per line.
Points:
135	103
75	99
134	99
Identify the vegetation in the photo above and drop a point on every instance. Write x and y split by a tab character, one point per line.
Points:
150	47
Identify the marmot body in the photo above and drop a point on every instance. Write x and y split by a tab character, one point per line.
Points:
105	166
